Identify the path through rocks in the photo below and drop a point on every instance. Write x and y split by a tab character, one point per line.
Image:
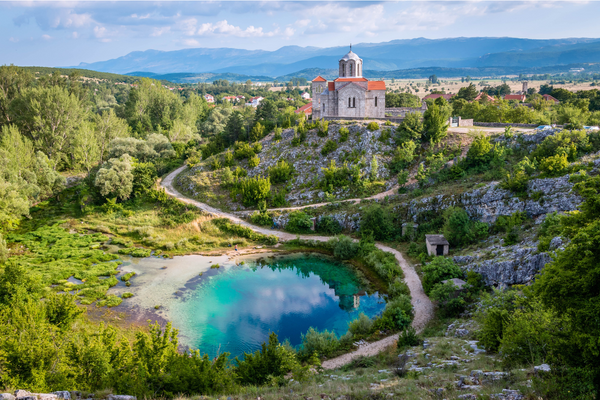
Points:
423	307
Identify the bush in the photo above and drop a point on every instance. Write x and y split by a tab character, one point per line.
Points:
480	152
516	183
549	229
328	225
360	326
329	147
398	314
440	269
373	126
378	222
261	218
403	156
411	128
459	229
408	338
281	172
555	165
277	134
492	314
253	162
299	222
344	133
323	343
225	225
344	248
450	301
243	150
322	128
254	190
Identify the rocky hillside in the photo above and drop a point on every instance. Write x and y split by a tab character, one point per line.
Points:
357	148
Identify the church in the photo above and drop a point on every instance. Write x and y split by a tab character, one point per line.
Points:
350	95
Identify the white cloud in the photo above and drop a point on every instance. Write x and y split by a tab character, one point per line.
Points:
14	40
302	23
225	29
191	42
75	35
160	31
46	37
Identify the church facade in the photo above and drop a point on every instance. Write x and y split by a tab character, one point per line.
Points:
350	95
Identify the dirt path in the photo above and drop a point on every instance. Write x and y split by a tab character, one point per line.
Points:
423	307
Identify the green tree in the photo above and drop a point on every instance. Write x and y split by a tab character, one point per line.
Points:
467	93
438	270
115	177
108	127
411	128
257	132
13	81
435	123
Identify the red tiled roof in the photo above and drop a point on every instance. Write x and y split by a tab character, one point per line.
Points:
376	85
519	97
307	109
547	97
319	79
331	86
437	95
480	95
351	80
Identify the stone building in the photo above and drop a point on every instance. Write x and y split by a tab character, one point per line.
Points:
350	95
437	245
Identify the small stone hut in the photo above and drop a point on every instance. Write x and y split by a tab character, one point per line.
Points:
437	245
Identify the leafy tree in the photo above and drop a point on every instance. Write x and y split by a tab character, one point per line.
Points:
115	177
299	222
13	81
235	126
435	123
344	248
86	149
108	127
281	172
411	128
467	93
402	100
377	221
480	152
257	132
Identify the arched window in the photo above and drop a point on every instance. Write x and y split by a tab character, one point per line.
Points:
354	102
350	69
349	104
375	101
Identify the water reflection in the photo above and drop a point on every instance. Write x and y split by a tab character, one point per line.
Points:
236	309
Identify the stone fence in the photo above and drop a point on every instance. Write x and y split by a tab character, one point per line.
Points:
502	125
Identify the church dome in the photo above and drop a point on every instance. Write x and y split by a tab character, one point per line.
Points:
350	56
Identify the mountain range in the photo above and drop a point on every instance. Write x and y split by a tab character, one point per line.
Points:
452	53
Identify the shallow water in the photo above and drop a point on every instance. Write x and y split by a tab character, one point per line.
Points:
233	308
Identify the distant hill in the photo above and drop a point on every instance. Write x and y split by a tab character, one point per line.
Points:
387	56
189	77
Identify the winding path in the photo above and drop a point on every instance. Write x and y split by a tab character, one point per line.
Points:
423	308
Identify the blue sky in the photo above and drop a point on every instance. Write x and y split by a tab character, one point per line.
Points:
50	33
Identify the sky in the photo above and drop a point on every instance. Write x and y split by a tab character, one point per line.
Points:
65	33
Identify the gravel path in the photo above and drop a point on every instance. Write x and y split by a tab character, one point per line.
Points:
423	307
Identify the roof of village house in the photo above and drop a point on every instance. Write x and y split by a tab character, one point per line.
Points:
480	95
319	79
307	109
351	80
434	96
436	239
547	97
376	85
520	97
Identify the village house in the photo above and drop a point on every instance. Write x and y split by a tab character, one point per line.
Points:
255	101
350	95
516	97
547	97
209	98
437	245
305	96
434	96
306	109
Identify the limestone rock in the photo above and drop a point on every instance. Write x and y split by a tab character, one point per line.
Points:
6	396
120	397
542	368
63	394
555	243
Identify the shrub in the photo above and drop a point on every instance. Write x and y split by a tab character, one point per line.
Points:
344	133
459	229
378	222
403	156
253	162
492	314
398	314
243	150
440	269
398	287
322	128
480	152
385	136
411	128
408	338
555	165
323	343
126	295
517	182
549	229
281	172
273	360
328	225
261	218
373	126
360	326
243	231
450	301
344	247
329	147
254	189
299	222
277	134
